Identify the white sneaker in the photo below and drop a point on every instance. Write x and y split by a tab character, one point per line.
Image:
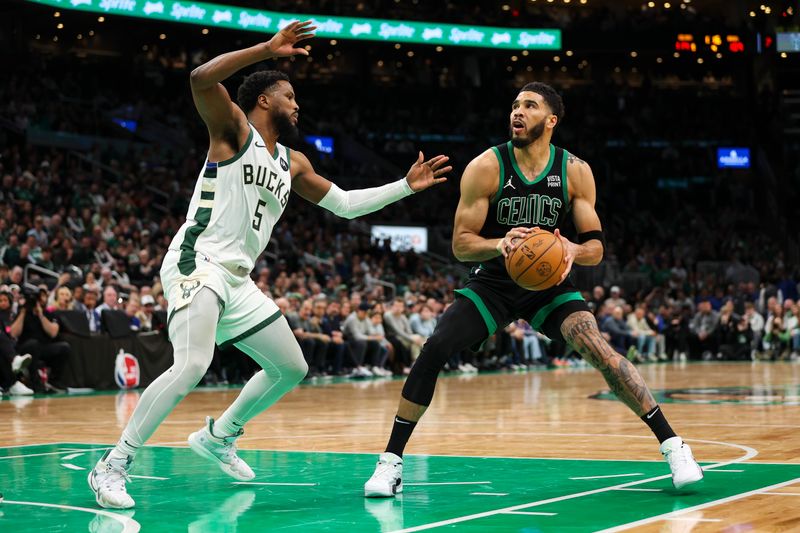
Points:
378	371
19	389
221	450
387	480
107	480
685	469
20	362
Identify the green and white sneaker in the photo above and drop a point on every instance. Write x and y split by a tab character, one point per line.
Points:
220	450
107	480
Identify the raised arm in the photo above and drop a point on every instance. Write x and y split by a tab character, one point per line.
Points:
351	204
478	184
226	122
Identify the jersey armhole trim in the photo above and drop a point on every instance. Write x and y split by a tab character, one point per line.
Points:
241	152
502	175
564	180
289	160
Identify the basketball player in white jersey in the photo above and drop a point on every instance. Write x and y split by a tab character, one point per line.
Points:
239	197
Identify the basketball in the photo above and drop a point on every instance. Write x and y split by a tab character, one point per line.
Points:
538	263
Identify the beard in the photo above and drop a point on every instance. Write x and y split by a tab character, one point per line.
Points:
533	134
287	132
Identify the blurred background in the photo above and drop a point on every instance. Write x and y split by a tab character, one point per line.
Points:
688	112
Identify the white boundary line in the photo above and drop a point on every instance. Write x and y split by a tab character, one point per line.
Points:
72	467
488	494
641	490
38	454
274	484
691	519
605	477
531	513
714	503
749	453
129	525
426	484
72	456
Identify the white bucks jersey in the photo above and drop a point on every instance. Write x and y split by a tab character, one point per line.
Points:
235	205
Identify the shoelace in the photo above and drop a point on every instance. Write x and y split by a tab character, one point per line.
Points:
229	446
116	478
678	456
385	468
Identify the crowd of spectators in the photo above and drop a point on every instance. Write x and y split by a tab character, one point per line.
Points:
713	282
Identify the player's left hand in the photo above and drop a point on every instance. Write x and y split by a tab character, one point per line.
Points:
570	251
424	174
283	43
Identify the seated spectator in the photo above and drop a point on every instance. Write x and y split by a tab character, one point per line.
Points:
735	334
643	333
145	313
620	336
110	300
132	310
616	299
36	330
756	323
12	364
63	299
387	350
423	323
704	332
407	344
365	348
92	314
313	342
327	316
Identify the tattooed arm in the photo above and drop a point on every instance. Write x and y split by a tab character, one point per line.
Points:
580	331
582	195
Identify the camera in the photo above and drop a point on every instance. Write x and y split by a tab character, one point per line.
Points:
31	296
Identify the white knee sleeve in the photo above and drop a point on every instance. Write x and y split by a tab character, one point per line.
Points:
192	332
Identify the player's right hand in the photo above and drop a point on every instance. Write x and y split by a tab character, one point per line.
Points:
513	239
283	43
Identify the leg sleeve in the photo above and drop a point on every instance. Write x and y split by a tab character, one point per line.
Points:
283	366
192	332
461	326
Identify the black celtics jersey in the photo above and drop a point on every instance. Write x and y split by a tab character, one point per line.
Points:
520	202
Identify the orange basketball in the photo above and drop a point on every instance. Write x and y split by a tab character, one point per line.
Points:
538	263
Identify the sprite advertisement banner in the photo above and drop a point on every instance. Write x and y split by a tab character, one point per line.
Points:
394	31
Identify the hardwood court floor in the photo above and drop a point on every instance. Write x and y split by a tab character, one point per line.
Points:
534	451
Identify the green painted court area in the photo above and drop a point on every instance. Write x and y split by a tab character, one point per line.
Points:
45	489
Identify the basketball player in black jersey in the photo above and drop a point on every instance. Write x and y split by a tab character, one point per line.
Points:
506	192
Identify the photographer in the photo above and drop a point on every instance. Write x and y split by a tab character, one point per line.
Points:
36	330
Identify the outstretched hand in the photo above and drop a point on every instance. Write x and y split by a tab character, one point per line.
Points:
424	174
283	43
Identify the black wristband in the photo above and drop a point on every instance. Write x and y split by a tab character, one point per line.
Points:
591	235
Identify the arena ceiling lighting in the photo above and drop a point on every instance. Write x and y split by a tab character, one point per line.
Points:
394	31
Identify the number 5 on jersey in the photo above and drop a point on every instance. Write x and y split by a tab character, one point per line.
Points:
258	215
